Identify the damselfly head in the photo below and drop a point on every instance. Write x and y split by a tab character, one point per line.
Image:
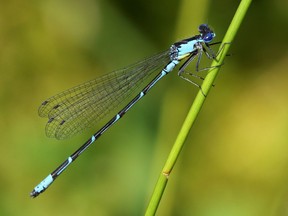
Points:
206	32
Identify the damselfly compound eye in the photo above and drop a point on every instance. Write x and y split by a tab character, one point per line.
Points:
208	37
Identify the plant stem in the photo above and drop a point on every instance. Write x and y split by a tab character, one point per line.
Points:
196	107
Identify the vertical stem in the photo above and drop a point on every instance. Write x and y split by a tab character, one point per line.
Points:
195	108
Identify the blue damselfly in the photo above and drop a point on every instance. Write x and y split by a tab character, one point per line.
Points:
80	107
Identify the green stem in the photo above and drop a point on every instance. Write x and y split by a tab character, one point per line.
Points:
195	108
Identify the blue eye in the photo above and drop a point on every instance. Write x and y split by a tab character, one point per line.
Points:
208	37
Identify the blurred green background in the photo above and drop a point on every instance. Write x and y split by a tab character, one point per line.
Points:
235	161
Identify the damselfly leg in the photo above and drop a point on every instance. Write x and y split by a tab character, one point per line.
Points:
209	52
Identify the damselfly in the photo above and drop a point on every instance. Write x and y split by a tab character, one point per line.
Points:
80	107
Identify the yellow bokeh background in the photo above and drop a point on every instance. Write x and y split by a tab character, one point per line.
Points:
235	160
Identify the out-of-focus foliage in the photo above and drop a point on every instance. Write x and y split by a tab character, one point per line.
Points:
235	161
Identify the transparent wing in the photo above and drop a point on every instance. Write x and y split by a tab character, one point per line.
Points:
82	106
